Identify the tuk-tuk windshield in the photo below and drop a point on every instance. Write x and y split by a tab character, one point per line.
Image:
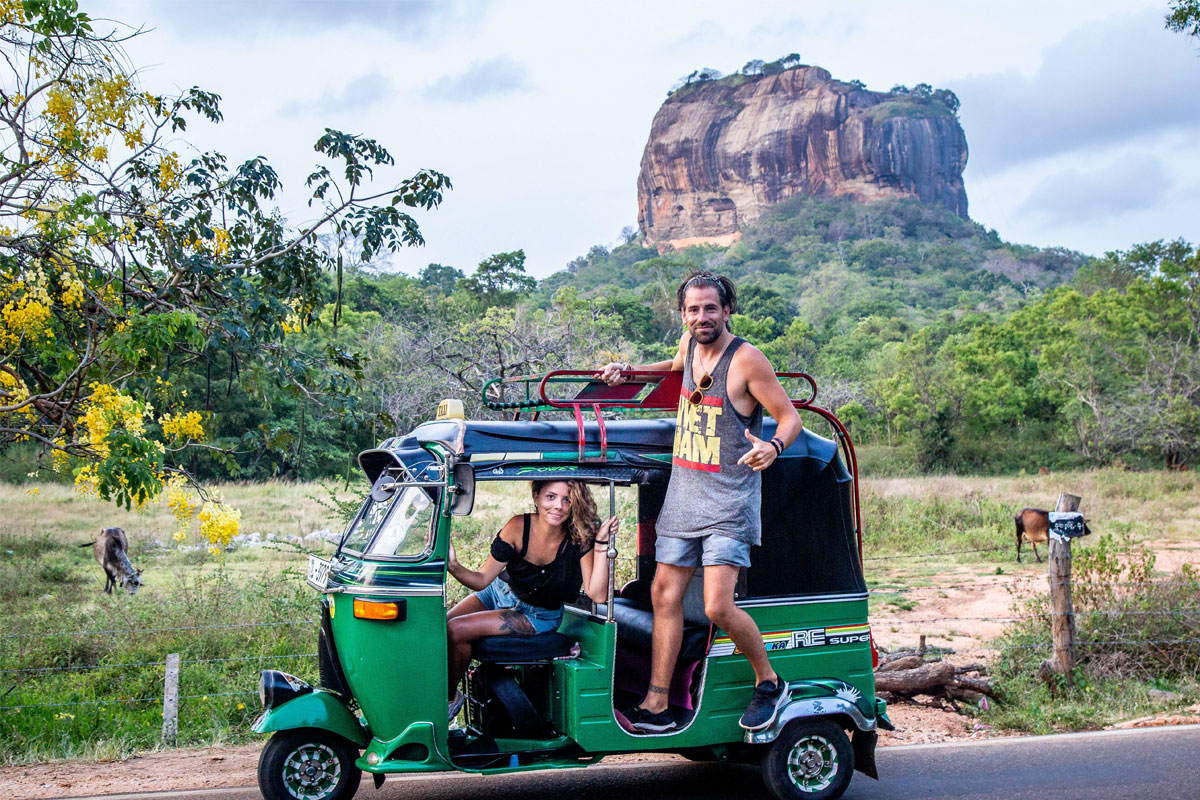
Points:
407	529
398	527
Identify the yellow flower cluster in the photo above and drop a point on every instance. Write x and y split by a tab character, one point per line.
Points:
216	247
108	409
60	108
26	313
11	11
13	391
219	524
59	459
83	111
182	504
72	296
293	323
177	427
221	242
87	480
169	172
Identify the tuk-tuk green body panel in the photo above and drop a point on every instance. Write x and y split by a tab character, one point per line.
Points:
806	646
315	709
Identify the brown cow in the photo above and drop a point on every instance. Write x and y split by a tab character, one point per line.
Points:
1033	526
110	550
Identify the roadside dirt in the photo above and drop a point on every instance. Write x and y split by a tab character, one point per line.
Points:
962	610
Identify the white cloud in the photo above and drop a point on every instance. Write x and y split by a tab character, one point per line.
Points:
1136	183
1103	84
357	95
481	79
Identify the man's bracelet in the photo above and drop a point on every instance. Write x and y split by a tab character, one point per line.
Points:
777	443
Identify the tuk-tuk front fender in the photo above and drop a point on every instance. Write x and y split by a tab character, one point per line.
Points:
315	709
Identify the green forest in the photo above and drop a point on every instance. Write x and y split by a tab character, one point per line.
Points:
926	333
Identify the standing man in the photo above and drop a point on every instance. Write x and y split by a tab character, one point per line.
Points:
711	513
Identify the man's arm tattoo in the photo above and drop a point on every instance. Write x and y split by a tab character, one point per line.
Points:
513	621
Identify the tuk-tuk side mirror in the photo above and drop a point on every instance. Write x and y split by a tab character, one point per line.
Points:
384	488
464	490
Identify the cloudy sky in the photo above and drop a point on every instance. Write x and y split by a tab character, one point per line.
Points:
1082	116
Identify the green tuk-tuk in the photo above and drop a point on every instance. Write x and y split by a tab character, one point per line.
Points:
551	700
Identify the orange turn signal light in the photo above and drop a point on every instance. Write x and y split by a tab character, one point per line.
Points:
369	609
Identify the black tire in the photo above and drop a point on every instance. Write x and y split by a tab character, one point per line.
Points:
308	764
811	759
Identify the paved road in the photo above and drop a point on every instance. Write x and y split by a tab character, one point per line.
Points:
1141	764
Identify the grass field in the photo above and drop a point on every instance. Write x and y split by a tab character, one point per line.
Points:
81	672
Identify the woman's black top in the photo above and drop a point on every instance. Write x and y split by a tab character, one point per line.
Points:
543	585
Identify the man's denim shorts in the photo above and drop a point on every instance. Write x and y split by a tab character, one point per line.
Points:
703	551
499	594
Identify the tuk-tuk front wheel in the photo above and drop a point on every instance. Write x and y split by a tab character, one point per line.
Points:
810	759
308	764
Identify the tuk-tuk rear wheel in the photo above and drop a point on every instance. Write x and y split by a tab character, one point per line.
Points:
810	759
308	764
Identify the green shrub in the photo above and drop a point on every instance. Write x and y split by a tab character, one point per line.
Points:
1136	630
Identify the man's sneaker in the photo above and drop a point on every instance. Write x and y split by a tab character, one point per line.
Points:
764	706
651	722
456	704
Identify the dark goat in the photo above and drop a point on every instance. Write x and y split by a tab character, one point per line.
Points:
110	550
1033	526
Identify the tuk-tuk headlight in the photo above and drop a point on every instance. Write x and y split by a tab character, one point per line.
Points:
276	688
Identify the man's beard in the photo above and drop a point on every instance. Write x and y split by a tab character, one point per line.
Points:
707	335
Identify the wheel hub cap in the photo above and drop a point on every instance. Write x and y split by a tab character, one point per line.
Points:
311	772
812	763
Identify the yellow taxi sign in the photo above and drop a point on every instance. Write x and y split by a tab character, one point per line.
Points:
450	409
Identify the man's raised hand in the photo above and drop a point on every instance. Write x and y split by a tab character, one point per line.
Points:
761	455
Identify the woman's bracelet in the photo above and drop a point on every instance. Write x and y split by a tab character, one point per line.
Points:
601	541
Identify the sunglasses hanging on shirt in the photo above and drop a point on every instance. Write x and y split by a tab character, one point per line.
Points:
697	397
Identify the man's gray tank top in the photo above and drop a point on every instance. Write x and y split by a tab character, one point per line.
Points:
709	491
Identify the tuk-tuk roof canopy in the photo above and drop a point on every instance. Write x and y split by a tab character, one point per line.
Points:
636	444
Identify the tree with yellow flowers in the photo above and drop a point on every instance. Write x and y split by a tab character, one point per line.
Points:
122	259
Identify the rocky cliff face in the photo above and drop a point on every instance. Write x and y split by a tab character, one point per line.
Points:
721	152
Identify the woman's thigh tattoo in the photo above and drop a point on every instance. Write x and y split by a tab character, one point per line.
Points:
513	621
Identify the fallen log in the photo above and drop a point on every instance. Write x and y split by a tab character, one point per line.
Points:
904	662
921	680
935	679
980	685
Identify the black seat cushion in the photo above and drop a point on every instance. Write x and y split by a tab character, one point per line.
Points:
519	649
635	626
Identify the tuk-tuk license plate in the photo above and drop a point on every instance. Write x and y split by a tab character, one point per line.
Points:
318	572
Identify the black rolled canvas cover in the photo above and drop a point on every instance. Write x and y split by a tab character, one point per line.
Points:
809	543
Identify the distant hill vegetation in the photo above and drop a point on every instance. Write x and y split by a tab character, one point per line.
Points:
834	262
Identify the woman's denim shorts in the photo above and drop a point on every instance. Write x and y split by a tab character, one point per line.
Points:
499	594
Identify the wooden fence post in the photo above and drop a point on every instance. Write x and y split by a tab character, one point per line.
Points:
170	728
1062	608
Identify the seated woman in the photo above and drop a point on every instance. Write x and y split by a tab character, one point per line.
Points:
549	555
